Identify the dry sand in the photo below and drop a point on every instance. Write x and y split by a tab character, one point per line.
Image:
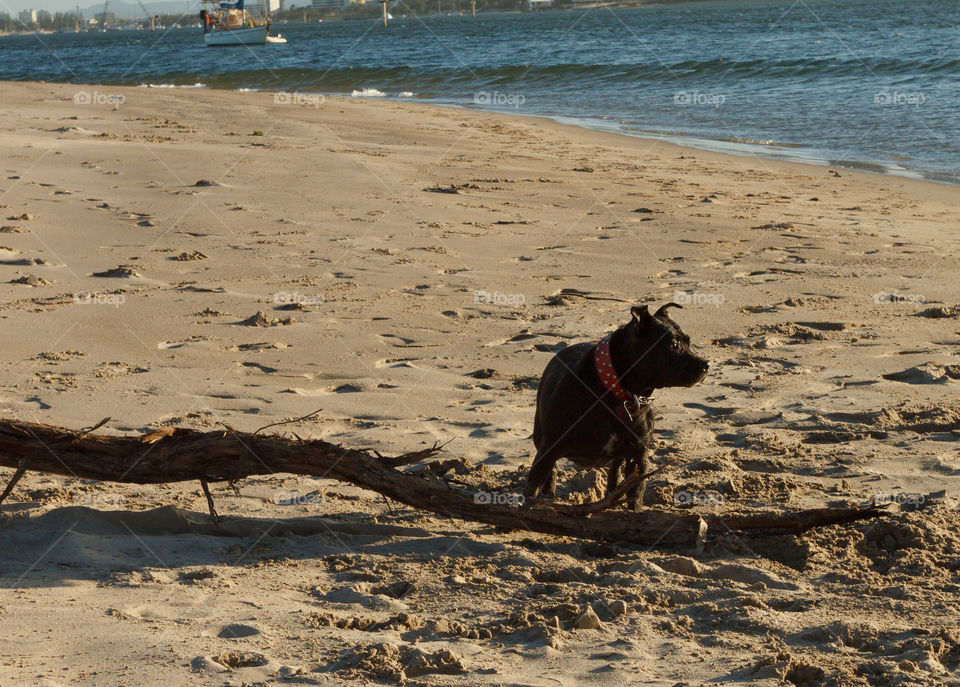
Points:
327	266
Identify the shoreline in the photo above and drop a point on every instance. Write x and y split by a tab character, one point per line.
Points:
741	149
692	143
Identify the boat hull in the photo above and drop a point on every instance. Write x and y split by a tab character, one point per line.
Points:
256	35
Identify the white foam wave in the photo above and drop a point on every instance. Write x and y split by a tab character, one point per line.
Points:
172	85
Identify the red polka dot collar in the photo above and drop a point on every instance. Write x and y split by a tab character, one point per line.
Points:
603	363
608	376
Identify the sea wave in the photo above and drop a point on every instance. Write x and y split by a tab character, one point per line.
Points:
172	85
368	93
366	81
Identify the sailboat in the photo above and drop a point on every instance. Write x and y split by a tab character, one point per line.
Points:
232	24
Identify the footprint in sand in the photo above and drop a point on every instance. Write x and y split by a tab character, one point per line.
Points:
119	272
30	280
258	346
711	411
26	262
232	660
293	306
941	312
261	320
524	335
154	612
395	362
341	389
928	373
399	341
361	595
166	345
231	631
258	366
748	418
107	370
550	348
191	255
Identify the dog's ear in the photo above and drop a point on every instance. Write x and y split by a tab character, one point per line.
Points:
662	312
641	316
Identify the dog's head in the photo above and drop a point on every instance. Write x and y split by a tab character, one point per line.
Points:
657	352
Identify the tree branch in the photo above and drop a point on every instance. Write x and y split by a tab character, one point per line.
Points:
177	455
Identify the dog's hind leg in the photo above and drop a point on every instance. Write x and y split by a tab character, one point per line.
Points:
541	474
639	464
613	475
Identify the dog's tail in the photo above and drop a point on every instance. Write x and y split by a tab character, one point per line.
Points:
536	427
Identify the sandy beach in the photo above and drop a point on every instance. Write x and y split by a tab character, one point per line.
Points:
201	258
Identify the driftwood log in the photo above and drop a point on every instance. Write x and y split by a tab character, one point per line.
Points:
177	455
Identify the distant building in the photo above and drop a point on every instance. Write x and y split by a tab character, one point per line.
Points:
106	18
28	17
263	6
539	4
330	4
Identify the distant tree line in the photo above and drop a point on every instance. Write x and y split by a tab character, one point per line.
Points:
67	21
45	21
399	8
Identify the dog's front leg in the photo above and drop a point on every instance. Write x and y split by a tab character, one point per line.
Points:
638	464
613	475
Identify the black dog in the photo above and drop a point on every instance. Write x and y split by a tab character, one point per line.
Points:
594	400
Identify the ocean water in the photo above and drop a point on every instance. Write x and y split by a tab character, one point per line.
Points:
872	85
